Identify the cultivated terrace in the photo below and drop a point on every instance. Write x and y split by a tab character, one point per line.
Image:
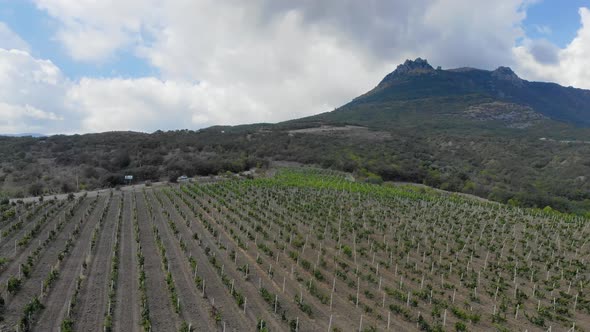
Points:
302	250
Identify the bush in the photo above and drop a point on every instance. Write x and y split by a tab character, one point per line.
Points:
67	325
13	285
36	189
112	179
374	179
460	326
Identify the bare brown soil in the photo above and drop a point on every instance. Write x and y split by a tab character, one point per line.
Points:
127	315
32	285
354	131
93	295
69	270
162	315
17	255
195	310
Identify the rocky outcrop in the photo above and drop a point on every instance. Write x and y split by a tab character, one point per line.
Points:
410	67
506	74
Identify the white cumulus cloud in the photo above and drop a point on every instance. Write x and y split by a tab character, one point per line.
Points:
32	92
567	66
17	119
93	30
148	104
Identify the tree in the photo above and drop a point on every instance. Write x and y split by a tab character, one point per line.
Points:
66	187
36	189
121	160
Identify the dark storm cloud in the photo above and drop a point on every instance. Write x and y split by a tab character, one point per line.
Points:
383	27
448	33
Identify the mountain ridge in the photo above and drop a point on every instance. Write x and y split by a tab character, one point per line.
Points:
418	80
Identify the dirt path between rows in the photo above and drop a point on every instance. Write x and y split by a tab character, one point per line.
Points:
127	317
341	317
343	306
31	286
344	309
9	242
162	315
259	273
13	266
255	307
93	295
194	308
63	288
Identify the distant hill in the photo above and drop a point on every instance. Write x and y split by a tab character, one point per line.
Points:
416	84
23	135
485	133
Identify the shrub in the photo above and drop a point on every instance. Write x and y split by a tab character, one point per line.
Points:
460	326
13	285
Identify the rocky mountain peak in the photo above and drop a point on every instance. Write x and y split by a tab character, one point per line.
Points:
416	66
506	74
409	67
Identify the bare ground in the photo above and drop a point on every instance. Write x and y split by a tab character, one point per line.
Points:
195	309
13	266
8	243
61	291
127	317
232	315
256	307
93	295
344	314
31	286
162	315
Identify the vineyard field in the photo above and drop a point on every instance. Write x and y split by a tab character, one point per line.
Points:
302	250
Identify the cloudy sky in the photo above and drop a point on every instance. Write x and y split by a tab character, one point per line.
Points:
78	66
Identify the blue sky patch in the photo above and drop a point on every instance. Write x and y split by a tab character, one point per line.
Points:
38	29
554	20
